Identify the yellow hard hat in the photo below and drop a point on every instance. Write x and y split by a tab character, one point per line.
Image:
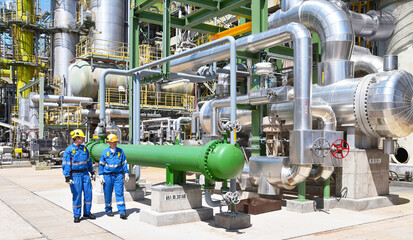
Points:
112	138
77	133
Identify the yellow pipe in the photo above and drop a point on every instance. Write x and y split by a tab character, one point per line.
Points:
235	31
25	45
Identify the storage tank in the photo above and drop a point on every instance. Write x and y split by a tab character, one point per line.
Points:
109	25
64	42
85	83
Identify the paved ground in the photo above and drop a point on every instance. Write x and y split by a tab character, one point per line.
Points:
37	205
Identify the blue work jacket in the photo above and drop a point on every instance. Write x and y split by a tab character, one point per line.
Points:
113	162
76	159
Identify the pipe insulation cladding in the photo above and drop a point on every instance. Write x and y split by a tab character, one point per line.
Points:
216	160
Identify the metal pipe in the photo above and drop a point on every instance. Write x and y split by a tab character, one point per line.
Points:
177	125
63	99
212	203
374	25
114	113
195	115
130	72
333	25
365	62
322	110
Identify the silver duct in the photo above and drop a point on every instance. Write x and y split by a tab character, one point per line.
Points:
365	62
64	41
62	99
113	113
321	109
336	33
374	25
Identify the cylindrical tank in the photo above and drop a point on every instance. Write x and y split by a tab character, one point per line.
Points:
85	83
400	44
64	42
109	23
216	160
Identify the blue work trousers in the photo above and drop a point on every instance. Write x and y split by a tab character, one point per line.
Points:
114	180
81	183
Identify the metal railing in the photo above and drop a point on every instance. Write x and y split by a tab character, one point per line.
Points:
149	53
67	115
92	47
151	99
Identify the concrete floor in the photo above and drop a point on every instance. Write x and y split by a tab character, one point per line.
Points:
37	205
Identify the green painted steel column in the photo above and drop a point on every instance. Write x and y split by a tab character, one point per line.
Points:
259	24
216	160
41	107
301	191
326	188
133	61
166	35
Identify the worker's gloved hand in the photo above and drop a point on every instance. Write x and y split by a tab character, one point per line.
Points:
126	177
93	176
101	179
69	180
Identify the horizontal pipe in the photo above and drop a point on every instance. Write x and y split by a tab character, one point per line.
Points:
374	25
63	99
365	62
216	160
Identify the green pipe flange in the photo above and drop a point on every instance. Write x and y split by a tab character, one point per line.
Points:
210	147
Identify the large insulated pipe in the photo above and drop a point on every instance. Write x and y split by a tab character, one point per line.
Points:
216	160
254	43
374	25
365	62
334	27
63	99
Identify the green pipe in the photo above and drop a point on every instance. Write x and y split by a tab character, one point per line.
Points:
326	188
301	191
216	160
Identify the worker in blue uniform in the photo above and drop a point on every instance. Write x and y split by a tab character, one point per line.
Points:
76	167
112	167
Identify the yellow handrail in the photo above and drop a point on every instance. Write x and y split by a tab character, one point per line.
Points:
102	48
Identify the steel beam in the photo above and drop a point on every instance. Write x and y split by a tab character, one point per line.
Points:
145	5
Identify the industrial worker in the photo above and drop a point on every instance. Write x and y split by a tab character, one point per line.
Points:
112	167
76	167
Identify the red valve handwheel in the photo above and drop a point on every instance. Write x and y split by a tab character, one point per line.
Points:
338	150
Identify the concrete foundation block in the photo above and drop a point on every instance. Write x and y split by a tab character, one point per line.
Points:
233	220
41	166
368	203
99	197
301	206
175	198
131	184
325	203
136	195
175	217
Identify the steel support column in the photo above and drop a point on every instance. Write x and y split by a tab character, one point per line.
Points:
166	36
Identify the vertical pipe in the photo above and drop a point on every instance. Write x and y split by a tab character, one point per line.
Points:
41	107
301	191
136	113
233	103
166	35
326	189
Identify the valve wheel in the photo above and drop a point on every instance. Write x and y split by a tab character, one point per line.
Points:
321	147
340	149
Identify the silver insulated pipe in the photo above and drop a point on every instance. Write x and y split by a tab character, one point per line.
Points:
334	27
374	25
64	41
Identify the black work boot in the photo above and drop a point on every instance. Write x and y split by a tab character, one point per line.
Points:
110	214
77	220
123	216
90	216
